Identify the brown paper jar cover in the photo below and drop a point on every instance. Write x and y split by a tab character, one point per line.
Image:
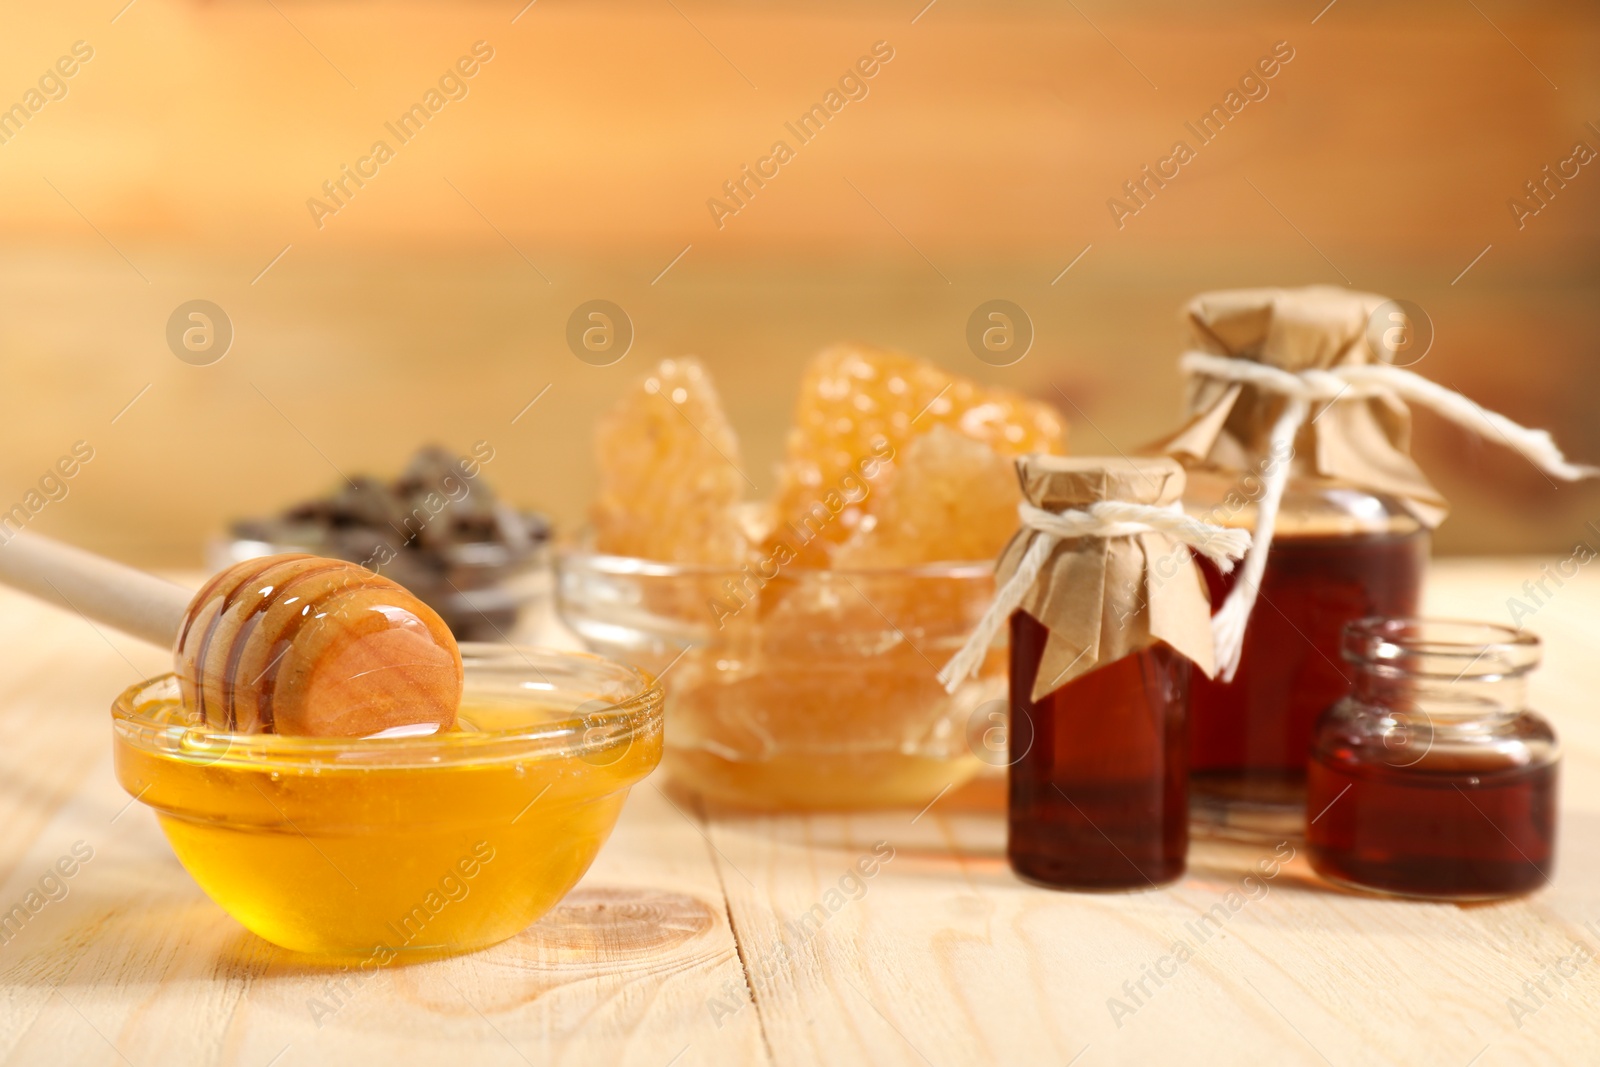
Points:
1364	442
1103	598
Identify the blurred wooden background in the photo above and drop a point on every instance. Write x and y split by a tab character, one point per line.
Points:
434	304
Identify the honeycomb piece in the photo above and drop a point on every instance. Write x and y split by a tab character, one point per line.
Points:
860	404
669	477
951	498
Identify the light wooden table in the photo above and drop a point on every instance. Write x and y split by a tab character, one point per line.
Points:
674	949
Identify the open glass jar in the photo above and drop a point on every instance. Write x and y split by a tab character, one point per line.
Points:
1340	553
1431	779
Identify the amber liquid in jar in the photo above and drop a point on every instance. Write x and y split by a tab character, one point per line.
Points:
1480	826
1249	738
1099	794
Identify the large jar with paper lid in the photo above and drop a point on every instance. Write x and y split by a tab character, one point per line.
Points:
1299	430
1349	539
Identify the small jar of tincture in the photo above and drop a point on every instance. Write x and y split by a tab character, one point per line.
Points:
1108	618
1431	779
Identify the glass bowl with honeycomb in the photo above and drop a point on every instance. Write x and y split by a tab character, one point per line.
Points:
799	637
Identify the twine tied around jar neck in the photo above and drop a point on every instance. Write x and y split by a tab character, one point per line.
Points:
1106	518
1300	390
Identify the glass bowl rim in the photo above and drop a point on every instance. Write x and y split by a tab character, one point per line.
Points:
566	556
486	556
592	731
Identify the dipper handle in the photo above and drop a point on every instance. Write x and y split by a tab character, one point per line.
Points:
139	604
289	644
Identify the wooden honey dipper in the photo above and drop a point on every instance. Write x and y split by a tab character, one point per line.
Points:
290	644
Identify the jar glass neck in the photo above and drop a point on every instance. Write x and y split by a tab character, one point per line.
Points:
1441	667
1463	697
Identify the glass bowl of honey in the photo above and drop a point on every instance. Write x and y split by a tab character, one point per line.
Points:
803	689
406	845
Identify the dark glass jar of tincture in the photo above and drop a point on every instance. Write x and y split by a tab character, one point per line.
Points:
1431	779
1108	615
1099	790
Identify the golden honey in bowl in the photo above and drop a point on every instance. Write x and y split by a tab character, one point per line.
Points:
372	848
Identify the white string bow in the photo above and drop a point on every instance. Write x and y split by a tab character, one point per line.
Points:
1306	387
1105	518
